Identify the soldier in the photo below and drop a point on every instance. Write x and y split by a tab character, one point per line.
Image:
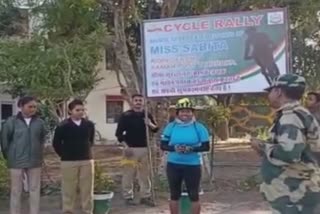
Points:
289	170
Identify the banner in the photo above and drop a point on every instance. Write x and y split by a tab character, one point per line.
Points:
237	52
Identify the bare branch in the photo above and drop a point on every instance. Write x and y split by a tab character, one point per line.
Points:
67	74
136	69
214	97
127	5
118	78
169	7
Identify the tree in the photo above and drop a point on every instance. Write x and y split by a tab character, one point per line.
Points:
303	18
126	43
60	62
11	19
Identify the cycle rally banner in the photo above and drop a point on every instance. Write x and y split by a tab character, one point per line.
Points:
224	53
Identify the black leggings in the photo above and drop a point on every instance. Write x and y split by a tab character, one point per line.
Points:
191	175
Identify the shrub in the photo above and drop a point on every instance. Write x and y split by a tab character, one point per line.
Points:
102	183
4	178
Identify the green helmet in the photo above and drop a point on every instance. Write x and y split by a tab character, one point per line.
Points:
289	81
184	103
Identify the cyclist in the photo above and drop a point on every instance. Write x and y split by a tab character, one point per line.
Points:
184	139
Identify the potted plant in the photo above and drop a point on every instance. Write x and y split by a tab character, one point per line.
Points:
103	191
185	202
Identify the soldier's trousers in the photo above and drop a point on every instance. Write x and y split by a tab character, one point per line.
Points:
307	205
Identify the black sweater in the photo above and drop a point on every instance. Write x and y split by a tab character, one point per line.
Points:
132	129
72	142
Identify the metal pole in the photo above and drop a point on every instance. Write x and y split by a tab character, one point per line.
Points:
150	153
145	95
211	160
150	5
289	49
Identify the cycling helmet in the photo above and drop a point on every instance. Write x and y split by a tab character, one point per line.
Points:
184	103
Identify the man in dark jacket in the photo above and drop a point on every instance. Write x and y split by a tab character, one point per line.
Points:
313	104
131	131
22	140
72	141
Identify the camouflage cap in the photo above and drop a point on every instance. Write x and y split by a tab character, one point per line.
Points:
288	80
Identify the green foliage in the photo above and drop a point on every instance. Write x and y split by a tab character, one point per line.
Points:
102	183
253	99
308	64
4	178
58	71
163	185
216	114
66	19
263	133
50	119
10	19
60	61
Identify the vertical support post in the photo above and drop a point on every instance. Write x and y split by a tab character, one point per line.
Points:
211	178
150	154
289	48
145	95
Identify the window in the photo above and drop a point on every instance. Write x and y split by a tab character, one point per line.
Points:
6	111
114	108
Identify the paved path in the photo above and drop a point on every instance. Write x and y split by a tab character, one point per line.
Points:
211	208
207	209
240	203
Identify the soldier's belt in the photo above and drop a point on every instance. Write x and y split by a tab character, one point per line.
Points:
298	173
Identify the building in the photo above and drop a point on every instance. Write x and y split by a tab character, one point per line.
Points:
105	104
8	107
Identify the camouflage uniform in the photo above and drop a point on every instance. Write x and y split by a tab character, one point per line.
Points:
291	177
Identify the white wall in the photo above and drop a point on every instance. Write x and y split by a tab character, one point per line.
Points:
6	98
96	103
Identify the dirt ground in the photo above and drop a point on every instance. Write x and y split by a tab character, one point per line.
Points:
234	164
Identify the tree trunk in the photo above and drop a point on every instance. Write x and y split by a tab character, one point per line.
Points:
123	60
223	130
169	7
223	127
